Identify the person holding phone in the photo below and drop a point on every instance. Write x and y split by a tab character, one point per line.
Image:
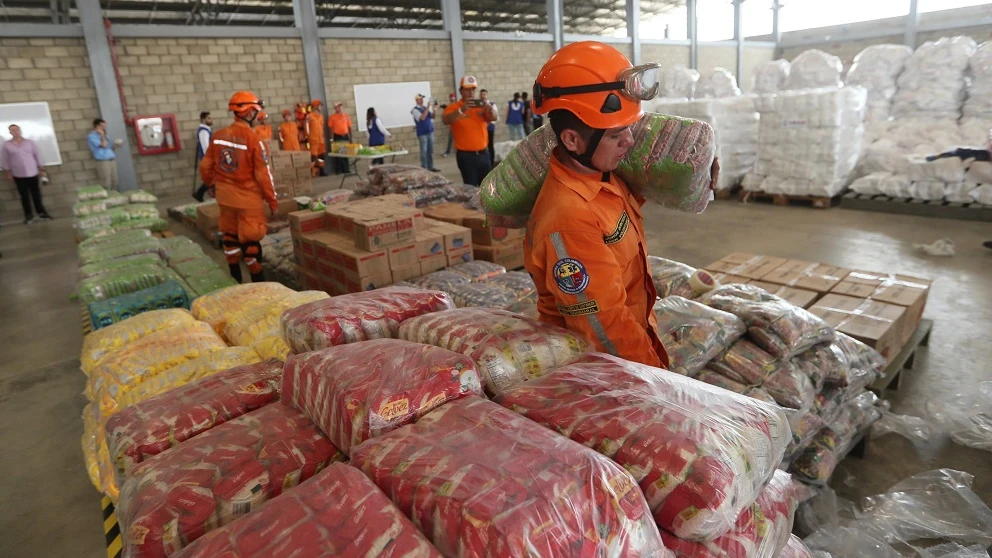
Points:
469	119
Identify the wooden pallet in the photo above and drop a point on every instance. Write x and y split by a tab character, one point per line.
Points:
731	193
903	361
937	208
816	202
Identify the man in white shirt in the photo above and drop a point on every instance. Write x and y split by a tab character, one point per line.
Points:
423	119
203	135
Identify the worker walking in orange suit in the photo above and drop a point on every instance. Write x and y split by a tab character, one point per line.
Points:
316	137
302	126
289	132
263	130
237	166
340	124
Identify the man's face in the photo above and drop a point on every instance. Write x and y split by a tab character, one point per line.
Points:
420	101
338	109
209	120
101	127
484	96
286	117
613	148
467	92
15	131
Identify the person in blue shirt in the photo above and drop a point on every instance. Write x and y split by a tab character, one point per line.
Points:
515	118
423	119
377	132
103	148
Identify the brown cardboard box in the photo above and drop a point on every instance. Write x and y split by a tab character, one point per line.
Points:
430	243
328	286
376	232
323	241
448	212
456	257
368	282
312	281
299	158
357	262
303	244
800	297
303	186
747	265
486	235
456	237
307	221
811	276
436	263
402	255
207	217
404	273
877	324
901	290
281	160
508	254
726	279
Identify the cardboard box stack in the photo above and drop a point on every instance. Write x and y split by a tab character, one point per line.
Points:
291	172
492	244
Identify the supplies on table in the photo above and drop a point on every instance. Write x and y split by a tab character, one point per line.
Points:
480	480
259	327
770	76
339	513
717	83
678	82
933	84
216	308
693	334
876	68
814	69
168	294
809	141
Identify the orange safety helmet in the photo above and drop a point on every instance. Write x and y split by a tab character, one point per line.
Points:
596	83
315	103
286	112
244	101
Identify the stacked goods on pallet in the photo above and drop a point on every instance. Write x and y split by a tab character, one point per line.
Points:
717	84
678	82
977	110
809	141
488	286
420	186
99	213
694	334
770	76
291	173
876	68
259	327
814	69
217	308
500	245
932	86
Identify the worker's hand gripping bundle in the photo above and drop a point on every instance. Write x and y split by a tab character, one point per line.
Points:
668	164
479	480
260	328
209	481
700	454
216	308
762	530
819	459
101	343
340	512
716	84
770	76
693	333
671	278
979	103
508	348
154	425
813	69
363	390
876	68
357	317
933	84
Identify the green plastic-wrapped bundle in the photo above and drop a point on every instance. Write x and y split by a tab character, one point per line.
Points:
141	210
97	232
141	196
154	224
115	199
123	280
170	294
94	192
99	268
180	248
86	208
113	250
211	281
116	238
195	267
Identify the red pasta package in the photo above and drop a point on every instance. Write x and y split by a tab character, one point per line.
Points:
699	453
178	496
693	333
363	390
339	512
479	480
154	425
357	317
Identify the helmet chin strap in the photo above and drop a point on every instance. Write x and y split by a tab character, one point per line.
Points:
246	120
585	159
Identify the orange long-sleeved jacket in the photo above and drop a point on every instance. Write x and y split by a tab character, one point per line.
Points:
315	129
263	131
586	250
237	163
289	136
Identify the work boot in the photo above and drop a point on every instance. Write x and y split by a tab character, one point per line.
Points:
258	277
235	271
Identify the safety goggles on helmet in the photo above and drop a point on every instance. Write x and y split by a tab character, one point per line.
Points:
639	83
247	105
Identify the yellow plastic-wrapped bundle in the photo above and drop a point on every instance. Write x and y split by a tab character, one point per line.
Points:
217	307
259	327
102	342
96	454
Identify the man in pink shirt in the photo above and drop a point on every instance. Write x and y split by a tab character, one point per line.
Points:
21	160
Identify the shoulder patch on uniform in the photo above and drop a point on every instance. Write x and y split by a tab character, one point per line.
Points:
580	309
621	229
571	276
228	161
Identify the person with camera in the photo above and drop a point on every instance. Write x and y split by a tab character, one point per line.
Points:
469	119
102	149
423	119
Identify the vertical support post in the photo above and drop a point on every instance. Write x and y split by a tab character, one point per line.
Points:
690	10
107	93
739	36
305	18
912	22
634	29
452	12
776	30
54	7
555	22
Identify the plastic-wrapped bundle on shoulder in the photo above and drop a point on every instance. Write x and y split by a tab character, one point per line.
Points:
813	69
507	348
357	317
158	423
122	281
517	282
361	391
693	333
339	513
141	196
678	82
979	103
700	454
480	480
259	327
671	278
717	83
761	531
481	295
209	481
105	341
770	76
478	270
933	84
719	380
876	69
122	238
818	460
442	280
94	192
217	307
169	294
779	327
118	248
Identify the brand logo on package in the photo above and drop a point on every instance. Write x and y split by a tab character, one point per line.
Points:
571	276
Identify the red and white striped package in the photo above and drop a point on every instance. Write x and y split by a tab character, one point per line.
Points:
178	496
357	317
700	453
154	425
508	348
363	390
479	480
339	512
761	531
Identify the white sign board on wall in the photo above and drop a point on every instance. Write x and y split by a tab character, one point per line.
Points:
35	121
392	102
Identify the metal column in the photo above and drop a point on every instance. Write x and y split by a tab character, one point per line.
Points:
776	30
912	22
452	12
739	37
107	93
305	16
690	10
555	22
634	28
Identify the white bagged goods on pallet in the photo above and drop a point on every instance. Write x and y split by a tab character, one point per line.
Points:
876	69
933	82
813	69
678	82
870	184
975	130
982	194
718	83
959	193
770	76
949	169
979	102
896	186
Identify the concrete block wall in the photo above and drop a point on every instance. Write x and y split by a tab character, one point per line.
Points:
666	55
845	50
56	71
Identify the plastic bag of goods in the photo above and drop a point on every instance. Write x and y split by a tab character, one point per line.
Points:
982	194
361	391
857	355
813	69
818	460
180	248
700	454
822	362
968	416
721	381
896	186
762	530
217	307
693	334
170	294
442	280
876	68
517	282
122	281
88	207
779	327
958	193
101	343
340	512
155	224
717	83
96	457
137	260
164	421
746	363
671	278
260	327
399	182
770	76
478	270
949	169
117	249
378	173
91	193
210	282
141	196
979	103
196	266
176	497
507	348
795	548
678	82
933	84
115	199
479	480
870	184
141	211
481	295
123	237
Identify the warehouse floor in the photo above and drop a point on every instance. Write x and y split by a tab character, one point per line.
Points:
52	510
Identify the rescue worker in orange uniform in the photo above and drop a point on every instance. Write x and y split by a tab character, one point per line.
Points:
289	132
237	166
302	131
263	130
585	246
340	124
316	136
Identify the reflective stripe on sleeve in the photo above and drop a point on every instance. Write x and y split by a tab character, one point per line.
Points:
231	144
597	326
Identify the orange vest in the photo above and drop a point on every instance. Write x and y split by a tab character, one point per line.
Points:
289	135
237	163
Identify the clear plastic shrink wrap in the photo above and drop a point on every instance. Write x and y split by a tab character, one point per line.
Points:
106	340
752	367
671	278
118	248
795	548
718	83
360	391
770	76
124	280
968	416
479	480
168	295
813	69
99	268
817	461
481	295
217	307
934	81
678	82
339	512
517	282
357	317
440	280
876	68
693	333
979	103
700	454
478	270
260	327
508	348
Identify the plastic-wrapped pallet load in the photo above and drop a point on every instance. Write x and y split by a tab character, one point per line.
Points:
814	69
442	280
933	83
179	248
260	327
752	367
103	342
507	348
678	82
479	480
478	270
361	391
210	282
517	282
120	247
91	193
870	184
818	460
770	76
700	454
693	333
217	307
170	294
716	84
98	268
979	102
121	238
719	380
876	68
339	512
209	481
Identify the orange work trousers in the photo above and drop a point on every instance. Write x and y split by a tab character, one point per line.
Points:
243	230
